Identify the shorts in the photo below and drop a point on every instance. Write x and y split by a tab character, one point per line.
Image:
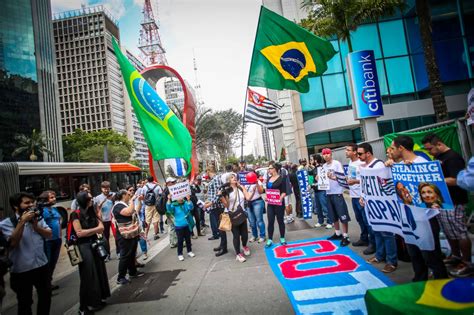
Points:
453	223
151	215
337	209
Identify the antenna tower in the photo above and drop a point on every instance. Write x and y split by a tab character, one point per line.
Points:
197	86
152	51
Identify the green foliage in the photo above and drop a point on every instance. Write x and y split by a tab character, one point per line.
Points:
36	143
328	18
82	146
231	160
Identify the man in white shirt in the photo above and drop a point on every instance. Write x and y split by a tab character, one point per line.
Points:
353	180
337	207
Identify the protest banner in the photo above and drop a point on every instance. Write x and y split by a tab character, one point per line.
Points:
306	200
273	197
386	214
341	179
180	190
421	185
470	107
323	179
242	177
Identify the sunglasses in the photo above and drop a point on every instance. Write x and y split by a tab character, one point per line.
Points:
359	153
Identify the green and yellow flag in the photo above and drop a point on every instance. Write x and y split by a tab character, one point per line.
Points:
164	133
285	55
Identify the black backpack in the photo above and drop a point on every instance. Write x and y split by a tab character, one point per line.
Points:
161	203
150	197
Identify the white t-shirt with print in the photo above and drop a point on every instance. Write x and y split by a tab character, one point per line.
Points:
252	188
334	187
353	172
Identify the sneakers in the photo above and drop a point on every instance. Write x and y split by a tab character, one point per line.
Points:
145	256
123	281
389	268
318	225
180	257
335	237
466	271
269	244
345	241
261	240
246	251
328	226
282	241
360	243
191	254
137	275
369	250
252	239
240	258
156	237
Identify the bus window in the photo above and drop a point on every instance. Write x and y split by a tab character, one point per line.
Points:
60	185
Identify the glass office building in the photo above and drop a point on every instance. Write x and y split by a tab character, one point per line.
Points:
402	74
27	77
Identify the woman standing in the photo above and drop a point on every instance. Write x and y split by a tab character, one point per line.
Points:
94	287
124	213
234	202
53	219
256	205
276	182
180	211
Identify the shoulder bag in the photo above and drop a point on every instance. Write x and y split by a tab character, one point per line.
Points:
225	224
129	230
237	215
73	251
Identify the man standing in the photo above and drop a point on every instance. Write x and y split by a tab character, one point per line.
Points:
151	192
353	180
402	148
26	234
453	222
216	208
337	208
103	206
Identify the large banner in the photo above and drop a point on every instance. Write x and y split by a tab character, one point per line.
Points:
422	185
306	200
386	214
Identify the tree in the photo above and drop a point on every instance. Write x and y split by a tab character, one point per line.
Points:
328	18
81	146
35	144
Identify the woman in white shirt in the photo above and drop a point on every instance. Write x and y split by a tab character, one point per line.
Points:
234	203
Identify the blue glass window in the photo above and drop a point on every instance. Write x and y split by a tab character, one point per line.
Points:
451	60
419	70
317	138
399	76
314	99
382	77
344	50
393	38
446	28
414	36
334	65
334	90
366	37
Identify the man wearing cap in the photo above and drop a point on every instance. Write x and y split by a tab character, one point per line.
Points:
337	207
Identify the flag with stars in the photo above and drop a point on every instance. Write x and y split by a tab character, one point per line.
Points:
165	134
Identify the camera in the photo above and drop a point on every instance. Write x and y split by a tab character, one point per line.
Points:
38	209
225	189
99	247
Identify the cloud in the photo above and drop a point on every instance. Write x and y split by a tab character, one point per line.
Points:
66	5
115	7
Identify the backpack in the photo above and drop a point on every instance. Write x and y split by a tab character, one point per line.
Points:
150	197
161	203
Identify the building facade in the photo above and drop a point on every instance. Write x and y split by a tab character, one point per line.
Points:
28	99
174	94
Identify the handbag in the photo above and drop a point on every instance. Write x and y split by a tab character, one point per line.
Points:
225	224
237	216
73	251
129	230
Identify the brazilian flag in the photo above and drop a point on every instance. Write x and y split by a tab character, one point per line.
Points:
285	55
440	297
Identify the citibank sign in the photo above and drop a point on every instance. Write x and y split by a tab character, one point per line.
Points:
364	83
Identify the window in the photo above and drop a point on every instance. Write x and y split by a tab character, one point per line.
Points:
335	90
393	38
334	65
367	37
451	60
314	99
399	76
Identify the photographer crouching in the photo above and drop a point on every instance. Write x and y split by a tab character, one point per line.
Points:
25	232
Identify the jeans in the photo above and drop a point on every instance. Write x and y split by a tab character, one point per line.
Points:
128	252
22	284
255	212
386	247
161	224
370	232
278	212
183	234
238	232
197	219
214	218
321	206
359	213
52	249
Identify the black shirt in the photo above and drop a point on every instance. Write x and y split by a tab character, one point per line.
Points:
120	218
294	183
452	163
88	220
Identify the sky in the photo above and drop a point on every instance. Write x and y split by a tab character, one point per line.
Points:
220	34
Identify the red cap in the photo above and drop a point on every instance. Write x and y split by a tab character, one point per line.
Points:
326	151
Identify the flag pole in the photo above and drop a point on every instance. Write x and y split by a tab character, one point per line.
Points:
246	90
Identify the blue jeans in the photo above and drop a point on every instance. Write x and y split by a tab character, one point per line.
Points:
359	214
370	232
214	218
52	250
386	247
255	212
321	206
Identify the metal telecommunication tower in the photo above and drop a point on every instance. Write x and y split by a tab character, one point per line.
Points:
152	51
